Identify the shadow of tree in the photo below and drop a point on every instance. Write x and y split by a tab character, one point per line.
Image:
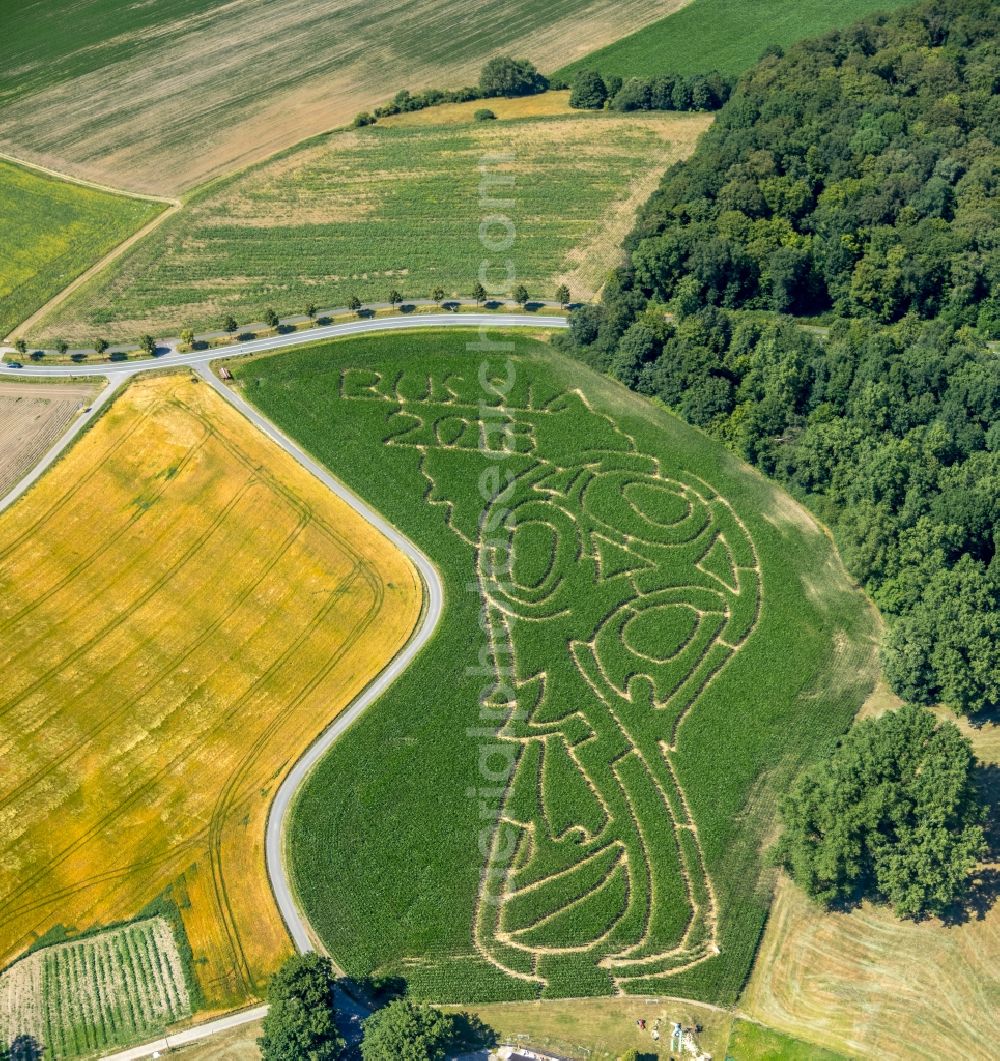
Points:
22	1048
472	1033
984	887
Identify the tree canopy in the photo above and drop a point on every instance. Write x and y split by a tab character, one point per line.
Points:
407	1031
893	815
856	172
300	1024
504	76
885	421
589	91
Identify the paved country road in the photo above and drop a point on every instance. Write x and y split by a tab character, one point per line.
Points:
280	342
116	374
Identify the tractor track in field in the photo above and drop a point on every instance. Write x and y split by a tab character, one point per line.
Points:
117	374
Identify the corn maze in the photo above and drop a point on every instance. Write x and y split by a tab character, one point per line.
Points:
569	791
613	594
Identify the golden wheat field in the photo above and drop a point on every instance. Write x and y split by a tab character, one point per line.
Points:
183	609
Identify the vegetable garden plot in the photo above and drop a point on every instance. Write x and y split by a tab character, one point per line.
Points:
615	616
105	989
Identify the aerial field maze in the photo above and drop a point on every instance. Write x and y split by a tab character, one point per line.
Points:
575	777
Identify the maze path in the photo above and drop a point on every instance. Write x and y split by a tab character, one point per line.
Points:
613	595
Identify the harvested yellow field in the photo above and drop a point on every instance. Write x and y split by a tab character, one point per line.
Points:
544	105
32	417
184	609
869	985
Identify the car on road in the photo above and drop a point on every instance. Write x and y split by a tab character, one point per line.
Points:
14	364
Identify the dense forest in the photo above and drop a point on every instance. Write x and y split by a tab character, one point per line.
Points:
853	182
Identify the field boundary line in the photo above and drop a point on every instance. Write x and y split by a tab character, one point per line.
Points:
172	204
83	182
98	267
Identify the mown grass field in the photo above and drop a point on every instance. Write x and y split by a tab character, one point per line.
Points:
32	418
51	231
108	989
869	985
600	1029
182	610
604	1029
679	638
364	212
161	95
721	35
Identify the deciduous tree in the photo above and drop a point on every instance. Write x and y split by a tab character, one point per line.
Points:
299	1025
589	91
504	76
407	1031
893	814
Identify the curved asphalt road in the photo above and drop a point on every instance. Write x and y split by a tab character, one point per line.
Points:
116	373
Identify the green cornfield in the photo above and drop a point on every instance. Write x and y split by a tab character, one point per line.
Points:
568	792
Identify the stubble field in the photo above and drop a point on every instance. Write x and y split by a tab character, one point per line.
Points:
364	212
182	609
674	639
53	230
162	95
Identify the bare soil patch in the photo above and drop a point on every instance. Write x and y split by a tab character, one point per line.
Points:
32	417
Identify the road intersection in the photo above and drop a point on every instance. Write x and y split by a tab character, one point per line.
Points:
117	373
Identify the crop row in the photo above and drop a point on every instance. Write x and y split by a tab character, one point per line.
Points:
364	214
111	988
